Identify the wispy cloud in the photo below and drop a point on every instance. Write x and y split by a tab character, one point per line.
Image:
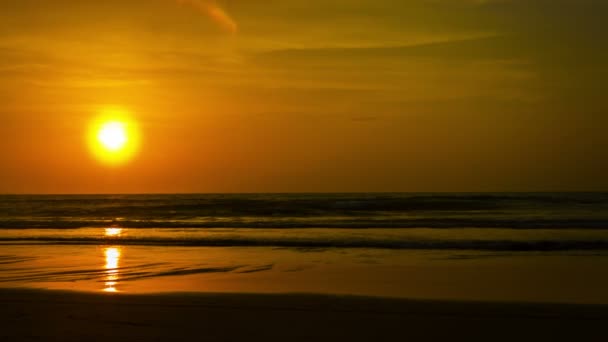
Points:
214	11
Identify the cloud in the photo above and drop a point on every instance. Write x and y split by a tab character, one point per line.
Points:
213	10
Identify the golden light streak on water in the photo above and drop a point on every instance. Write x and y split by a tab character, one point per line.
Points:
112	259
113	232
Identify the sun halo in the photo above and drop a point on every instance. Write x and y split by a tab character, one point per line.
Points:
113	137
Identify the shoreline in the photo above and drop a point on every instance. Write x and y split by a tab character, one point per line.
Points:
429	274
51	315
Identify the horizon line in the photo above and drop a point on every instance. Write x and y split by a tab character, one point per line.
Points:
305	193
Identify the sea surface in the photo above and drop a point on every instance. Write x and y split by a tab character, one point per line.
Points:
371	210
424	245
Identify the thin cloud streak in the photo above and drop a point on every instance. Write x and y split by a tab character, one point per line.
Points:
211	9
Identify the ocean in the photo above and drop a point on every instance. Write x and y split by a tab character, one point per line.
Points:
369	243
371	210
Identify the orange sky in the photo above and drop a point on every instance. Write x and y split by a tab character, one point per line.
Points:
282	96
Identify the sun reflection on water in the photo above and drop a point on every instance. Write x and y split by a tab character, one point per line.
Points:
113	232
112	258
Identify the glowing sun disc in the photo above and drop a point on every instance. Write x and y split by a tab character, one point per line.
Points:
113	137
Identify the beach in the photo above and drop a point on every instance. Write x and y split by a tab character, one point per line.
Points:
572	277
95	293
368	170
38	315
485	267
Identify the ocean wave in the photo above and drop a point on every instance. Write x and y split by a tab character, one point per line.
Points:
315	222
138	272
398	210
287	242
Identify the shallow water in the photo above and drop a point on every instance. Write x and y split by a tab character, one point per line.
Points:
512	247
577	277
483	239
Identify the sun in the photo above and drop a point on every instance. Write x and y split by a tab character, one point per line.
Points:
113	136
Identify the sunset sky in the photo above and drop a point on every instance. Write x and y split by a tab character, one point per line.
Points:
307	96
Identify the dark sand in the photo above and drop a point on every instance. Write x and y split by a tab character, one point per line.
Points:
31	315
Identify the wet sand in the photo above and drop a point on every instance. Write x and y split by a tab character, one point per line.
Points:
442	275
39	315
